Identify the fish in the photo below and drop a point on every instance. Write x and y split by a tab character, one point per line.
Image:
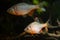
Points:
22	9
36	28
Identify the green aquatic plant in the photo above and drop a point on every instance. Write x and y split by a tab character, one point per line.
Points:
35	2
41	4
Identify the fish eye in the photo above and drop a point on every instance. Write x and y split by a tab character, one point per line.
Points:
28	27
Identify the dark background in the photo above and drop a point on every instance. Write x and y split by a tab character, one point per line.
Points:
15	24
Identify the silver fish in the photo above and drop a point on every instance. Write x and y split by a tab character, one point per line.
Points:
22	9
35	28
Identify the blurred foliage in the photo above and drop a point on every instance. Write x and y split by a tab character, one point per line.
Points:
41	4
35	2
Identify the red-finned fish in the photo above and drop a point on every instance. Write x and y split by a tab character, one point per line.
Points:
22	9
